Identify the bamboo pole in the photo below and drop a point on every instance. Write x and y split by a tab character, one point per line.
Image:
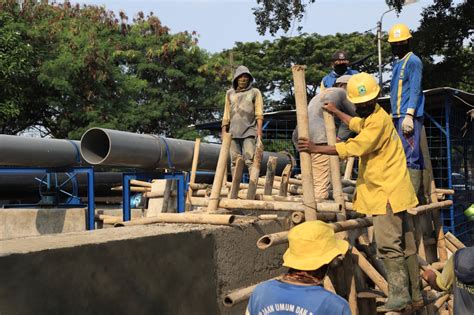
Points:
220	170
263	205
269	240
285	176
132	188
278	198
195	186
432	206
268	217
349	167
297	217
243	193
238	296
236	177
140	183
454	240
444	191
371	272
334	160
452	248
202	218
270	175
255	170
303	131
438	225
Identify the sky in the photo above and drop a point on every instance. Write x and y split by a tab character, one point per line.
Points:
221	23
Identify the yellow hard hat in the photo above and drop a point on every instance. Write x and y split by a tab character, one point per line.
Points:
398	33
312	245
361	88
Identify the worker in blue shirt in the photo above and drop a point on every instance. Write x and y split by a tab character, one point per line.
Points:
407	105
312	248
340	66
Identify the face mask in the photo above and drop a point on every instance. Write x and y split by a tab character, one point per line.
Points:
340	69
365	111
400	50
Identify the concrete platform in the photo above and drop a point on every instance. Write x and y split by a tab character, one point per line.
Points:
23	222
159	269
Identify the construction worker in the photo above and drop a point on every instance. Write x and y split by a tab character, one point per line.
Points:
317	131
340	67
457	278
383	188
407	101
312	248
243	116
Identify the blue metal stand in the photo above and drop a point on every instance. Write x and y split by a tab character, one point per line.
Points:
75	170
178	176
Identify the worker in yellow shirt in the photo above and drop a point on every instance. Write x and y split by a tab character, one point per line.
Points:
383	188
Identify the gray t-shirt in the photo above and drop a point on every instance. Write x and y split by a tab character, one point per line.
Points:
317	129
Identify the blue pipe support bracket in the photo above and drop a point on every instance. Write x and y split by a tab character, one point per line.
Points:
90	224
180	177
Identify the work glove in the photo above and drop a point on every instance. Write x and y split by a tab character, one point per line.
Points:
407	123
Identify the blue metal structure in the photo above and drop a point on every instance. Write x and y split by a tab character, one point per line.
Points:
58	187
180	177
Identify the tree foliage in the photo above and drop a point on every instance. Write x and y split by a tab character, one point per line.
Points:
274	15
270	62
444	41
67	68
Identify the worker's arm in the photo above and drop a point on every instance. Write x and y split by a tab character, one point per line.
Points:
367	141
332	108
304	145
415	73
226	117
259	112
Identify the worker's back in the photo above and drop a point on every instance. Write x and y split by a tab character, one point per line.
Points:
276	297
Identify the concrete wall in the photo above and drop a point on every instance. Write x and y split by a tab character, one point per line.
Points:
16	222
160	269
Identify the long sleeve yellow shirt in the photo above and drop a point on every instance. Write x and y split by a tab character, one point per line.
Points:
383	175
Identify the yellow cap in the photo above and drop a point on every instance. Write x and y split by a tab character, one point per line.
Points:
312	245
361	88
398	33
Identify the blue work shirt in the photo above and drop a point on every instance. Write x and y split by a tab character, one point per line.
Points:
405	87
330	79
276	297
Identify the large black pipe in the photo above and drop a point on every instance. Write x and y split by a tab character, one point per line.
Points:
108	147
38	152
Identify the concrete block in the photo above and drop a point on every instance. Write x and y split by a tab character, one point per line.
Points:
23	222
158	269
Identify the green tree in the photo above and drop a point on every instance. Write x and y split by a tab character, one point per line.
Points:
82	67
275	15
270	62
444	41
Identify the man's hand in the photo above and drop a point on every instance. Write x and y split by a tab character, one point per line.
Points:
330	107
304	145
430	277
407	125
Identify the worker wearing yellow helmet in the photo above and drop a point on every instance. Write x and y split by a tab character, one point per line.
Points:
383	187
